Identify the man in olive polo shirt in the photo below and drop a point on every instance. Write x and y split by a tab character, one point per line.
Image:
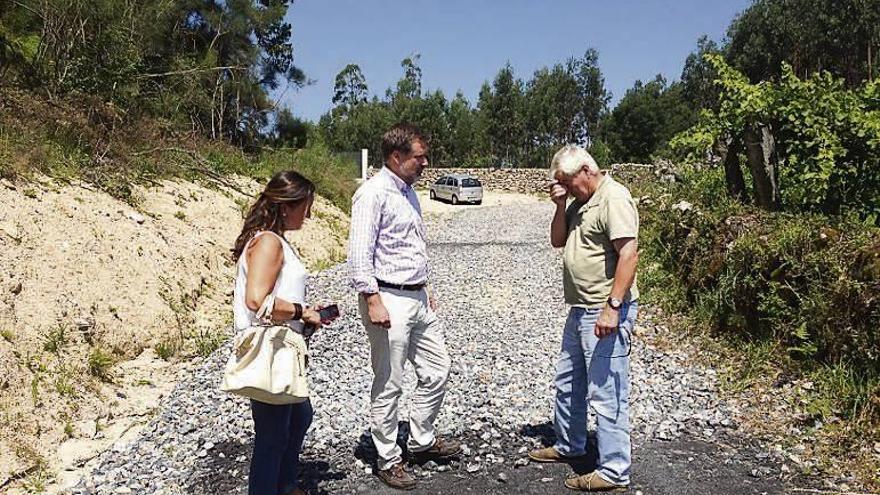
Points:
599	232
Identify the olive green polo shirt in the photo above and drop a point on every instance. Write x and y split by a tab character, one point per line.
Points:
589	257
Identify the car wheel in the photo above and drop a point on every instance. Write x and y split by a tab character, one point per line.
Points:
454	199
433	195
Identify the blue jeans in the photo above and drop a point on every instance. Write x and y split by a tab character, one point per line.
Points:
595	372
279	431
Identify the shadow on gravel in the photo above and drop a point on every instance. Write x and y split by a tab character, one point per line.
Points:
547	436
365	450
542	431
685	466
313	473
226	467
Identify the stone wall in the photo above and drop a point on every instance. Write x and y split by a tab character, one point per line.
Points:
520	180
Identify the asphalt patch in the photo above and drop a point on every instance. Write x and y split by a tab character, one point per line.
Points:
679	467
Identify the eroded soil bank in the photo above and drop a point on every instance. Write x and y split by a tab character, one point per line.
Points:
105	304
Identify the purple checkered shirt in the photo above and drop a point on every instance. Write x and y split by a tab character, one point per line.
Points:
387	239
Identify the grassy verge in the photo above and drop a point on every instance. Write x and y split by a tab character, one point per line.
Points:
785	302
91	141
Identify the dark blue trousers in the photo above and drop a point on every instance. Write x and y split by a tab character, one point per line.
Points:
279	434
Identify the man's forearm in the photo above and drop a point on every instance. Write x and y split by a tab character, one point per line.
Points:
625	273
284	310
558	228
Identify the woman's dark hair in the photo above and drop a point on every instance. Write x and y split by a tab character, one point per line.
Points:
286	187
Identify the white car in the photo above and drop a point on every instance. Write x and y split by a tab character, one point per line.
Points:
457	188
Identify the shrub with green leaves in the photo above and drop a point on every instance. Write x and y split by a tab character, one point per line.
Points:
806	282
827	137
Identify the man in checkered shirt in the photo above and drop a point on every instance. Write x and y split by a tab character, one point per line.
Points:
388	260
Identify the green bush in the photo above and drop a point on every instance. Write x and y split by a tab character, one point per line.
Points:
827	137
806	282
334	176
168	347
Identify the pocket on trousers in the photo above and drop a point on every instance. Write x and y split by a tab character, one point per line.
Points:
618	345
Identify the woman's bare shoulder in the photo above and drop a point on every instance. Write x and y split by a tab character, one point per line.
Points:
265	244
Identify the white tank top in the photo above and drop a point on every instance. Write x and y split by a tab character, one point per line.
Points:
290	285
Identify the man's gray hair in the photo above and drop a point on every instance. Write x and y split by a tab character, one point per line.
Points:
570	159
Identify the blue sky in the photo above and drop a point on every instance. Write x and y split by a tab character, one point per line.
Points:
463	43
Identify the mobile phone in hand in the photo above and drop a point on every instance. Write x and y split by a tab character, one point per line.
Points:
329	312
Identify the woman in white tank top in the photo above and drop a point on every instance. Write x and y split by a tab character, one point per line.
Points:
267	264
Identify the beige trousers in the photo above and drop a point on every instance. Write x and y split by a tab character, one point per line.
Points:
416	335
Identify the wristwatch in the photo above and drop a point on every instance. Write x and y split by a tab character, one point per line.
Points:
614	303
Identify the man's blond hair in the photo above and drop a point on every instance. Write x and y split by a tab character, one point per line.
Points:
570	159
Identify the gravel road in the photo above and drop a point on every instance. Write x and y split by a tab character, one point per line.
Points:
499	286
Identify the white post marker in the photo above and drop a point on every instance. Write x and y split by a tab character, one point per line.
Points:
364	161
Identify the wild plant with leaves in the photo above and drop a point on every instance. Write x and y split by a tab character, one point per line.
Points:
811	144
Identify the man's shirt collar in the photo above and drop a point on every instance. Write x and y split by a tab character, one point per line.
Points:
400	183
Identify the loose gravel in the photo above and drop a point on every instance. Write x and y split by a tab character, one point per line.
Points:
499	286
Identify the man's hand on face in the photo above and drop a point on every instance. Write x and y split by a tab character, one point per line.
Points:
558	193
608	321
377	311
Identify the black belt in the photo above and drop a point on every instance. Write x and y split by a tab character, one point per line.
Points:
412	287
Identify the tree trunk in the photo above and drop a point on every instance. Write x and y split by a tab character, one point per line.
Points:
761	153
733	175
870	63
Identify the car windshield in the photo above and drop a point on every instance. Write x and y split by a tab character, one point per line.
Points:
470	183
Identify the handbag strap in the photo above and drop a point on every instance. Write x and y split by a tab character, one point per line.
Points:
264	314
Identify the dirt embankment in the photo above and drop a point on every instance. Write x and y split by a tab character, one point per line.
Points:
102	304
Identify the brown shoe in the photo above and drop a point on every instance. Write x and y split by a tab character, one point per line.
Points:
550	454
397	477
592	482
441	449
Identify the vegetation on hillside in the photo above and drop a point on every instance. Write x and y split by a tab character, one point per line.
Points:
810	145
83	139
841	38
194	67
789	297
117	92
768	242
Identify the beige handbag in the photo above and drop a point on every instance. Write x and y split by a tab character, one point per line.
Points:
268	362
